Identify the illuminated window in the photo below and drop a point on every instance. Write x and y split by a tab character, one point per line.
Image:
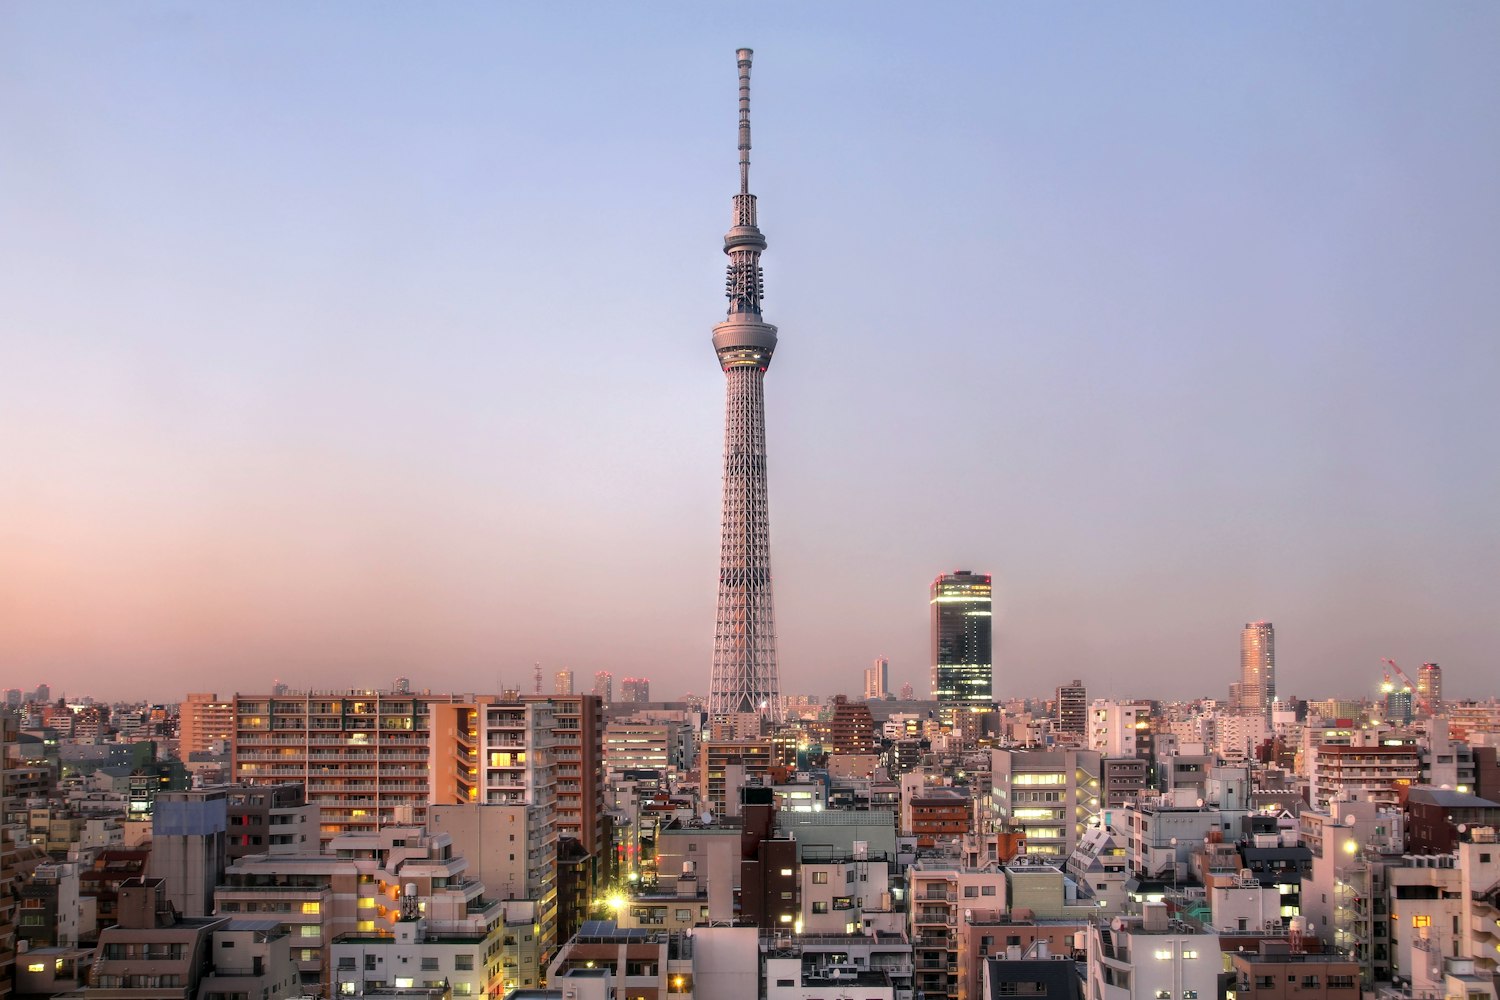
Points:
1421	920
313	906
37	967
1163	953
311	931
1189	953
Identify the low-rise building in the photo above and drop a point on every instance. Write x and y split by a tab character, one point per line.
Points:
152	953
1283	975
1150	957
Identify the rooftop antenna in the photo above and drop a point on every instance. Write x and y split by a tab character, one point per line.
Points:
744	56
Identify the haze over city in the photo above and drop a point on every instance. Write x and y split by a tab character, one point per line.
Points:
343	348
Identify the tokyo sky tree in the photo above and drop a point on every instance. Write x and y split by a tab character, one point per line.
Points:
744	674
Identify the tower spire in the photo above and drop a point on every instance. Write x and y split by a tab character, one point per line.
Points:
744	56
745	284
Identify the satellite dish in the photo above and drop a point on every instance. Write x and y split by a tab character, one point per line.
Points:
1349	819
706	817
1463	828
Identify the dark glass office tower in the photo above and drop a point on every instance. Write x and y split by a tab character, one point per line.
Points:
961	657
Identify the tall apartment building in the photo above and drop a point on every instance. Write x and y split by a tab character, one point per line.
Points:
635	690
202	719
725	766
578	750
562	682
851	730
1430	687
878	679
375	759
1071	712
604	686
367	759
962	664
941	892
1257	686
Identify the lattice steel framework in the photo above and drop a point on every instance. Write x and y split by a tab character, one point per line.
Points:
745	678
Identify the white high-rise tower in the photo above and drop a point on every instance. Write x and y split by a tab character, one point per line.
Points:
1257	687
744	676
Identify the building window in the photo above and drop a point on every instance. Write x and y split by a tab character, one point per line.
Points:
429	964
971	892
1421	920
1189	953
988	890
1163	995
820	907
820	878
312	907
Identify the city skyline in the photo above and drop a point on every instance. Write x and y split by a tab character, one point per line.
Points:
307	376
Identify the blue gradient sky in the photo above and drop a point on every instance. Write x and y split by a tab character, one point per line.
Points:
347	341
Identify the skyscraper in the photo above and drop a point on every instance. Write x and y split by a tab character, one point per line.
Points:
635	690
744	678
604	686
562	682
878	678
1257	687
961	637
1430	687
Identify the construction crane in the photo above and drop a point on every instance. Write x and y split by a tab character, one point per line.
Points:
1423	702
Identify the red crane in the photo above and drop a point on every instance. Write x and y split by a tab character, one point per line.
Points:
1421	699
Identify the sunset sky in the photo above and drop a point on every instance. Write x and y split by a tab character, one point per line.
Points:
347	341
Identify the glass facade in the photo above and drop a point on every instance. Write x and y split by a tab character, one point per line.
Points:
961	643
